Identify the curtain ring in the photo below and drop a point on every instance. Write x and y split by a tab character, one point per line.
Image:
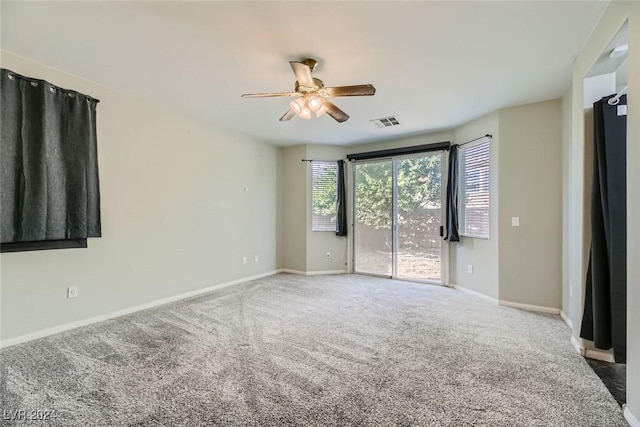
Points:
613	101
71	95
34	84
52	89
11	76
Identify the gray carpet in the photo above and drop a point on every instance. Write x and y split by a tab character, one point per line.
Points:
316	351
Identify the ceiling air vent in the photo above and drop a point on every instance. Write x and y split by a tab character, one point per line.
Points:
386	122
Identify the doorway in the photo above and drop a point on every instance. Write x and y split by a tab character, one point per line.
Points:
603	326
398	213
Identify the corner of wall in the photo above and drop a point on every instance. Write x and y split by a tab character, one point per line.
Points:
481	254
279	208
530	266
294	183
633	211
566	108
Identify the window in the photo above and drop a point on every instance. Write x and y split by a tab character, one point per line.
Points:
324	195
473	160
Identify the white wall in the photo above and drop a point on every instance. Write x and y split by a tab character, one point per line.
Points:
596	87
633	213
480	253
175	215
614	17
530	187
567	107
279	209
294	208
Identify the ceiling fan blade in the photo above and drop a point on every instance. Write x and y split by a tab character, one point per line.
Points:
356	90
303	73
268	95
332	110
288	115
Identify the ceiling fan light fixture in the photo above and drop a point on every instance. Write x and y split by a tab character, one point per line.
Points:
312	96
314	103
305	113
301	107
297	106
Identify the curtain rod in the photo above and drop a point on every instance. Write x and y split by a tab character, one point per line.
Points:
616	99
316	160
414	149
11	75
476	139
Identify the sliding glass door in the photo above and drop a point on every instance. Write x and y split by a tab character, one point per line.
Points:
418	218
373	223
397	217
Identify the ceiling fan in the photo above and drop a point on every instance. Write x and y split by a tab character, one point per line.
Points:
312	95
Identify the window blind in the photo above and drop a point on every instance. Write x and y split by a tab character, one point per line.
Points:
474	189
324	195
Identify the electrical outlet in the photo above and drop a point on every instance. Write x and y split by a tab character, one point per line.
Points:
470	269
515	221
255	258
72	292
328	256
244	259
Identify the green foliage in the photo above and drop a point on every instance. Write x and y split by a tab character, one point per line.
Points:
418	193
374	189
418	187
325	191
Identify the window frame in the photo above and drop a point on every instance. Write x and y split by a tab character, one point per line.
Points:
462	232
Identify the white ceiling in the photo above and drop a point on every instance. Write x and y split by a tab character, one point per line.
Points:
435	64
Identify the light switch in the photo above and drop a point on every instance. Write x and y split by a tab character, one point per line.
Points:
515	221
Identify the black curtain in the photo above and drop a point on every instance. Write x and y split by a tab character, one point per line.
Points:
605	310
341	214
452	197
49	168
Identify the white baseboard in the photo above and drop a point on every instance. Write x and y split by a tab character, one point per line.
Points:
84	322
631	419
290	271
591	353
313	273
469	291
529	307
566	319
